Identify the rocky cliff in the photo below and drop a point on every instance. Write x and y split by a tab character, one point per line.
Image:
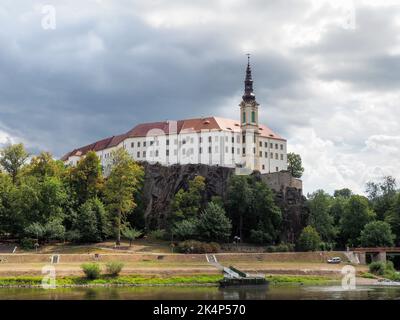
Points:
162	183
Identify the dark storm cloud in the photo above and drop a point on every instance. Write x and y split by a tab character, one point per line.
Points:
92	78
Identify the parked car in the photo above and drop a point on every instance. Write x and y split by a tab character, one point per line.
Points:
335	260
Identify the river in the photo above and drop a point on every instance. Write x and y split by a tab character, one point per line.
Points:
203	293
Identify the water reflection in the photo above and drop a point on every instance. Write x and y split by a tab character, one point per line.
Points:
205	293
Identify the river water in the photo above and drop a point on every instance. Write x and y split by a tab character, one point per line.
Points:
204	293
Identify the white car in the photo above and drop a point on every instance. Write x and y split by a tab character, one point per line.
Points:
335	260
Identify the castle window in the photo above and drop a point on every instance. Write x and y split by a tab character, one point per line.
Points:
266	144
254	150
156	153
260	144
132	144
263	166
260	153
138	144
233	150
276	156
276	146
281	146
138	154
271	145
167	152
272	155
200	150
167	142
144	143
266	154
244	150
244	117
244	139
277	169
282	157
209	150
144	154
253	117
200	139
233	139
151	143
210	139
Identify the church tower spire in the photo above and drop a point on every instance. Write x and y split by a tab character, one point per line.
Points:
248	84
249	123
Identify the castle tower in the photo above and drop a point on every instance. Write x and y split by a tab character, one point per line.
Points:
249	123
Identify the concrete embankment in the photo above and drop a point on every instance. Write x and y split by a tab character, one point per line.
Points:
294	263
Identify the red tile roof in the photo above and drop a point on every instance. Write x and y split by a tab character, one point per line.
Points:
170	127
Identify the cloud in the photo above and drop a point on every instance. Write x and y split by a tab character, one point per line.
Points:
326	74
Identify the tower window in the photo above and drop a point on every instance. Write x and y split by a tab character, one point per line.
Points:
244	117
244	139
253	117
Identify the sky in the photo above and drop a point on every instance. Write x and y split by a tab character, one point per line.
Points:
326	74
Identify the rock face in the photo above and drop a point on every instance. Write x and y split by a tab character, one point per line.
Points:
162	183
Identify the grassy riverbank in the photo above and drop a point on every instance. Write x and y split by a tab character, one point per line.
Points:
137	280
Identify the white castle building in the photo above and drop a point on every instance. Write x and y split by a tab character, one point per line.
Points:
216	141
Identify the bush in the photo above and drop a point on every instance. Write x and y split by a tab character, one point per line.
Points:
27	243
384	269
282	247
309	239
192	246
114	268
91	270
159	234
377	268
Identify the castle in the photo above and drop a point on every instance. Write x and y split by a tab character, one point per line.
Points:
244	144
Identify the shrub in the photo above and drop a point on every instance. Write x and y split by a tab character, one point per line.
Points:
27	243
282	247
377	268
114	268
192	246
91	270
309	239
159	234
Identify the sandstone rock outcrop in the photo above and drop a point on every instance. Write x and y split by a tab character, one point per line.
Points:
161	183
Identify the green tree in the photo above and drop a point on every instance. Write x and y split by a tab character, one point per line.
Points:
393	217
356	215
268	217
377	234
185	229
382	195
86	178
44	165
12	158
187	204
131	234
92	221
295	165
9	221
309	239
320	218
345	193
213	224
122	183
239	202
